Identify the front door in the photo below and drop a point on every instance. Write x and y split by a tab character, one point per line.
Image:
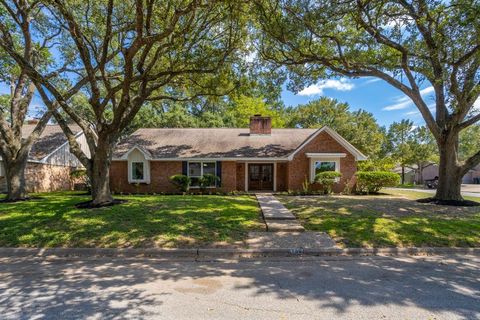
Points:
260	176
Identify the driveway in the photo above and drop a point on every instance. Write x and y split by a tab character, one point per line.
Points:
315	288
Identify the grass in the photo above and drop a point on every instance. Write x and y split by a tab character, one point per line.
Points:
390	220
414	194
144	221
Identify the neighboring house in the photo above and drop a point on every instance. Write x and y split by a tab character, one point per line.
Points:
259	158
50	161
430	172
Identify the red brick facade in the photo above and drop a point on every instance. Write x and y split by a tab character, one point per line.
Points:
299	167
290	175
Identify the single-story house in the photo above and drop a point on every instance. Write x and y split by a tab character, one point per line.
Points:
258	158
412	174
50	161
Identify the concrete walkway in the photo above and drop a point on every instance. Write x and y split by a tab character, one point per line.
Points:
284	230
277	217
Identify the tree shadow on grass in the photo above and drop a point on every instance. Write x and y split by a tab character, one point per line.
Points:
140	288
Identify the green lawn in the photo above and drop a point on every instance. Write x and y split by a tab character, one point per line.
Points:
144	221
413	194
388	220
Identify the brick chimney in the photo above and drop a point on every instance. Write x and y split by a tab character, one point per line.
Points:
260	125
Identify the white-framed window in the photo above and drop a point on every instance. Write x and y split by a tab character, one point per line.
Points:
138	167
322	165
138	171
197	169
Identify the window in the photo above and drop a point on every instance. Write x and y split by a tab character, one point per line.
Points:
196	170
138	171
322	166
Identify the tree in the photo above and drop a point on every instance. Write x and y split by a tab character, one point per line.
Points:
408	44
124	54
15	144
358	127
469	142
399	139
243	107
423	151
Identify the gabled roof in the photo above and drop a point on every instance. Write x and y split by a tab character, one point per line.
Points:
51	139
222	143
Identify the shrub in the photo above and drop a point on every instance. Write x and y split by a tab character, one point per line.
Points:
80	176
327	179
207	180
181	181
373	181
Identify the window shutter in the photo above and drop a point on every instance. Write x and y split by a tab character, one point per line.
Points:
185	168
219	173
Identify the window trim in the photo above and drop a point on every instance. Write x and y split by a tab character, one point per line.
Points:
313	161
201	172
130	172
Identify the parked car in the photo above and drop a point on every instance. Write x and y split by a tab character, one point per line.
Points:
431	183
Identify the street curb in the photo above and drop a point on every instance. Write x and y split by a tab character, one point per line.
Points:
220	253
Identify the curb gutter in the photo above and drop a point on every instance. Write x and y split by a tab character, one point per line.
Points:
225	253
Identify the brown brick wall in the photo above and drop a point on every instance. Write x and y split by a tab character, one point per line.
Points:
282	175
160	172
229	176
46	178
240	176
299	167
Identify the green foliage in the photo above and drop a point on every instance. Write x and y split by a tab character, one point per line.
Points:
306	185
181	181
207	180
243	107
359	127
469	142
372	181
327	179
377	164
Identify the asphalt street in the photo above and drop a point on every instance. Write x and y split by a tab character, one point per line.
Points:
281	288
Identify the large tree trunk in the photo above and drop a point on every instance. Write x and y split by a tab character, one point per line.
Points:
449	171
100	176
15	177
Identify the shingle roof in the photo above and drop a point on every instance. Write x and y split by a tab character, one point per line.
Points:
51	138
213	143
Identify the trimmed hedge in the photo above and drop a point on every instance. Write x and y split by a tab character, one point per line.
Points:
373	181
327	179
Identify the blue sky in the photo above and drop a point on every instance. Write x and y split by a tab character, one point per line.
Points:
374	95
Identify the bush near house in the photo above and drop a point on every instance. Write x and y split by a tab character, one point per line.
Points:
327	179
372	181
181	181
208	180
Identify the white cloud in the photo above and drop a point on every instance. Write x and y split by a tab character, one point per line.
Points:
317	89
372	80
404	102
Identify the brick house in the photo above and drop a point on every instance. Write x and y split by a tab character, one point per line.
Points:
49	161
254	159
